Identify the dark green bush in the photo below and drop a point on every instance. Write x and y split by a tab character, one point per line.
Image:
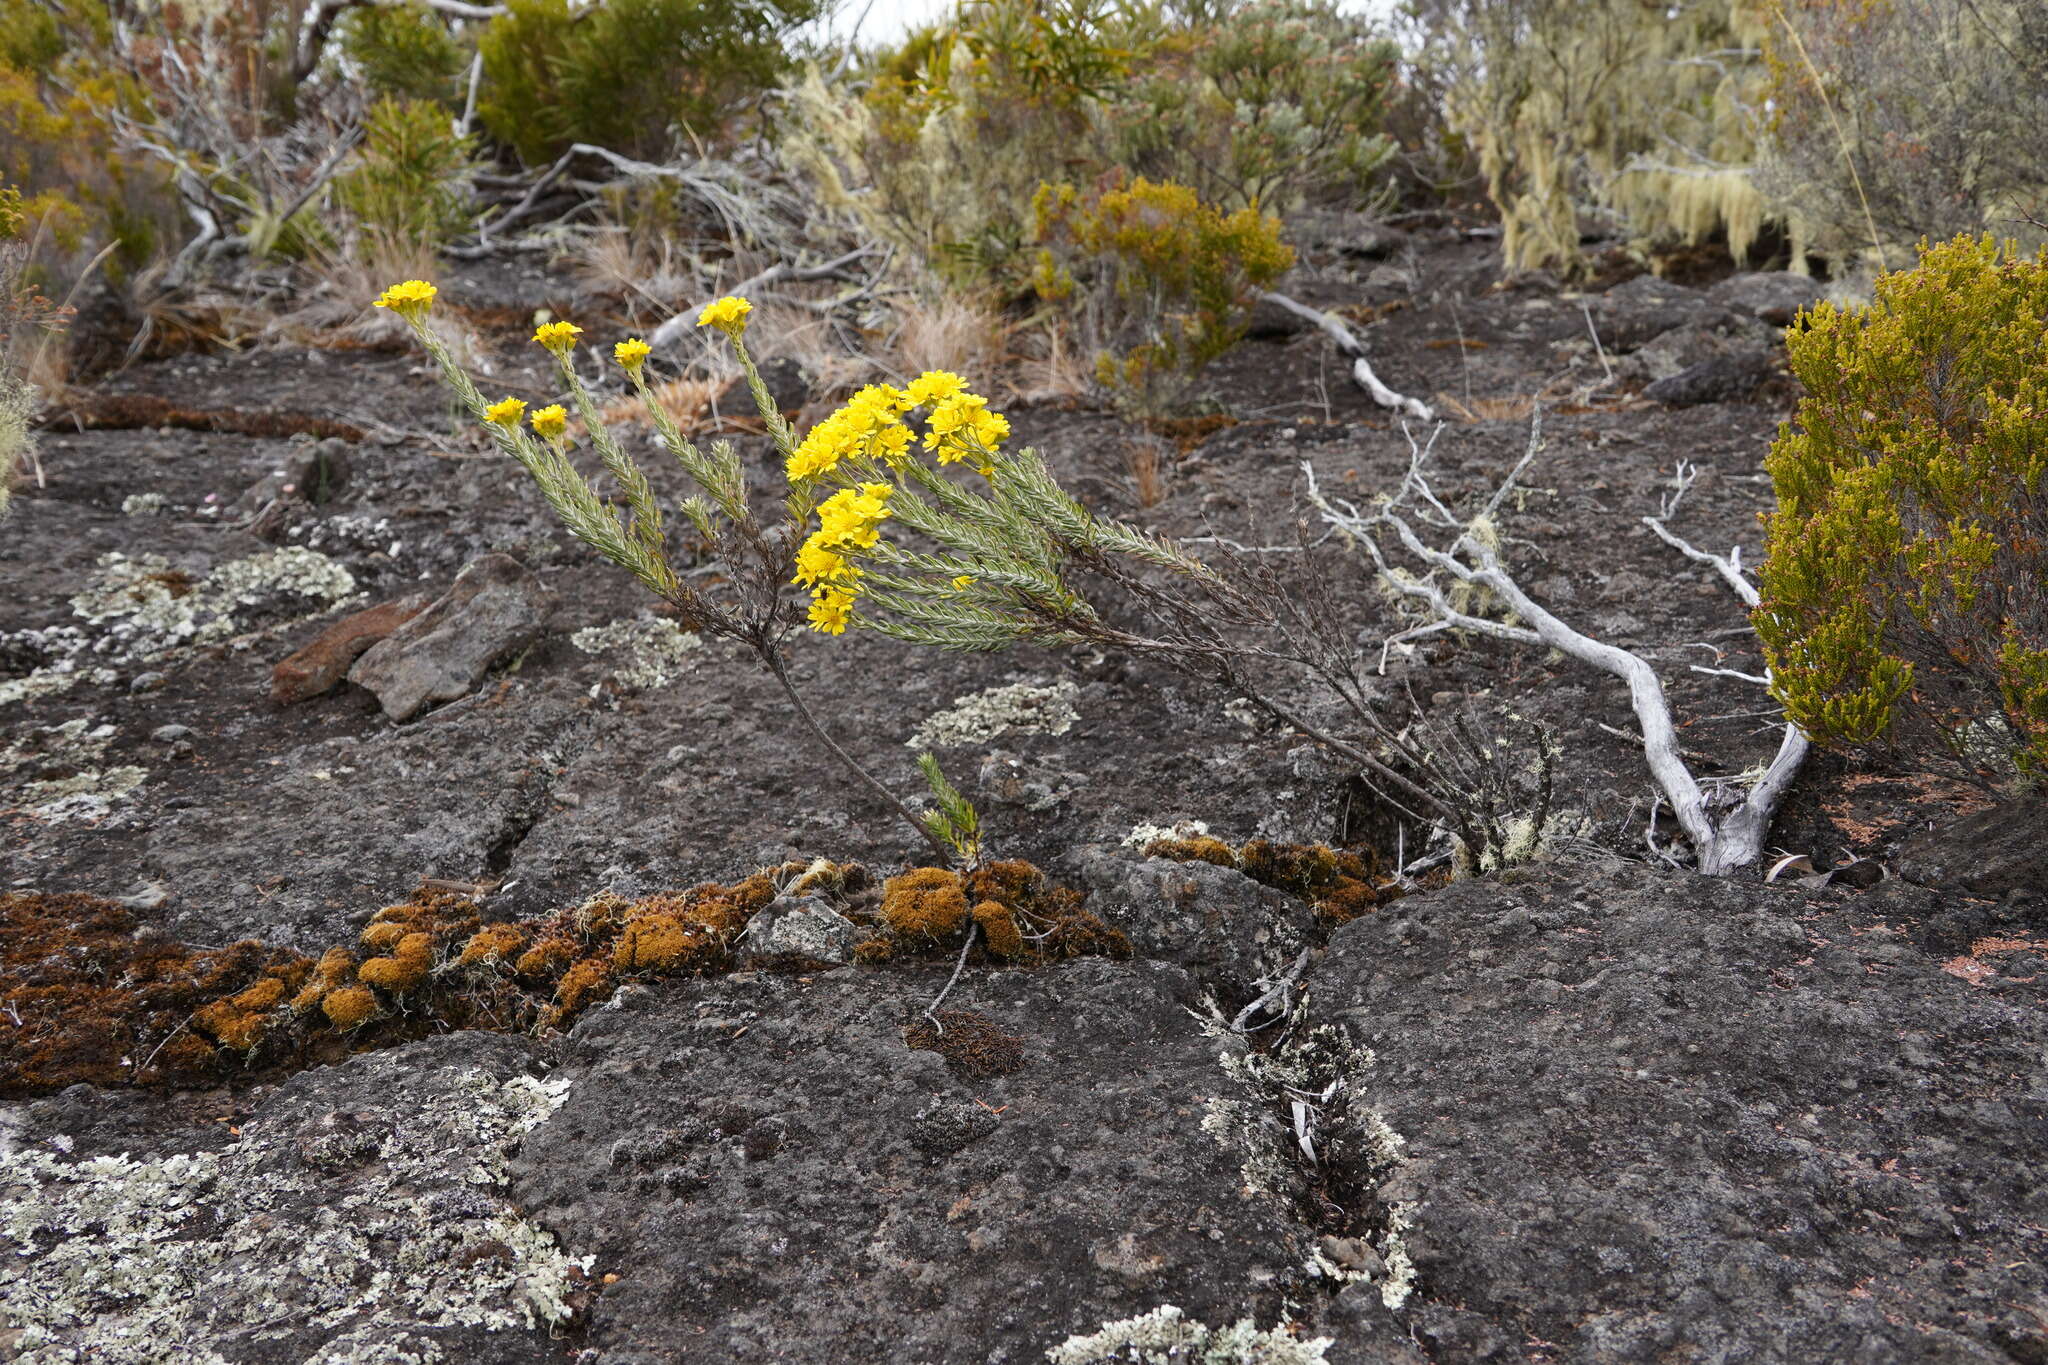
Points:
631	75
1905	583
405	51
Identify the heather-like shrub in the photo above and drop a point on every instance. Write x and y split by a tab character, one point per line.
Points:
1269	103
58	87
1910	118
1905	584
631	75
1162	282
409	187
1260	104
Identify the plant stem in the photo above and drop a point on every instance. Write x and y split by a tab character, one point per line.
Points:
772	657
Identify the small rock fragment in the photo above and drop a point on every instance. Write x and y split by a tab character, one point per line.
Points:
494	610
321	665
802	927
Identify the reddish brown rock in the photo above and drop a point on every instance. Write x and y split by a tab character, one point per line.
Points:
324	663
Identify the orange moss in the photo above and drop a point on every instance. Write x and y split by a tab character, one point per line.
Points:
85	996
240	1021
337	969
1339	884
1200	849
492	944
583	983
999	929
873	951
545	960
406	969
924	903
1010	881
657	943
350	1007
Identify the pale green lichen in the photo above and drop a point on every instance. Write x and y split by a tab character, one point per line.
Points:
1316	1075
1018	709
1143	833
129	1261
148	608
1165	1336
651	650
82	790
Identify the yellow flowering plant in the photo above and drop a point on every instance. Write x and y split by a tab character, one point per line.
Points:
906	513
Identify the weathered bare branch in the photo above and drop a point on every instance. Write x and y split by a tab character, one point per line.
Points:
1737	840
1349	344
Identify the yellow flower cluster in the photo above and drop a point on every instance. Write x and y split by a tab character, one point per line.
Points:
551	422
506	412
408	300
558	337
871	427
849	520
632	353
728	315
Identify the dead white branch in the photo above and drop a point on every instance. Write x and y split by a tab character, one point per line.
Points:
1469	560
1349	344
781	273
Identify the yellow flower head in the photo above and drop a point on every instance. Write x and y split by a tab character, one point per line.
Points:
551	422
891	444
506	412
728	315
632	353
408	300
934	386
817	563
559	337
830	611
961	583
852	518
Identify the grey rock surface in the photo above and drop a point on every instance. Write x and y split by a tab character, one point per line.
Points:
358	1214
776	1175
1215	922
799	927
494	610
1772	296
1646	307
1668	1117
1718	379
1994	852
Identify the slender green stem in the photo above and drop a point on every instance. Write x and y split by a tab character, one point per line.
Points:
772	657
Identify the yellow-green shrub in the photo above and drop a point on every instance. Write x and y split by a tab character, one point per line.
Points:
1162	282
58	88
409	186
1269	103
1905	583
945	148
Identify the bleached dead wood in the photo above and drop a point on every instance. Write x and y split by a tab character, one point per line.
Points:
780	273
1349	344
1468	558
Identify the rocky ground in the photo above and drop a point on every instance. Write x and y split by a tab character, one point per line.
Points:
1590	1109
